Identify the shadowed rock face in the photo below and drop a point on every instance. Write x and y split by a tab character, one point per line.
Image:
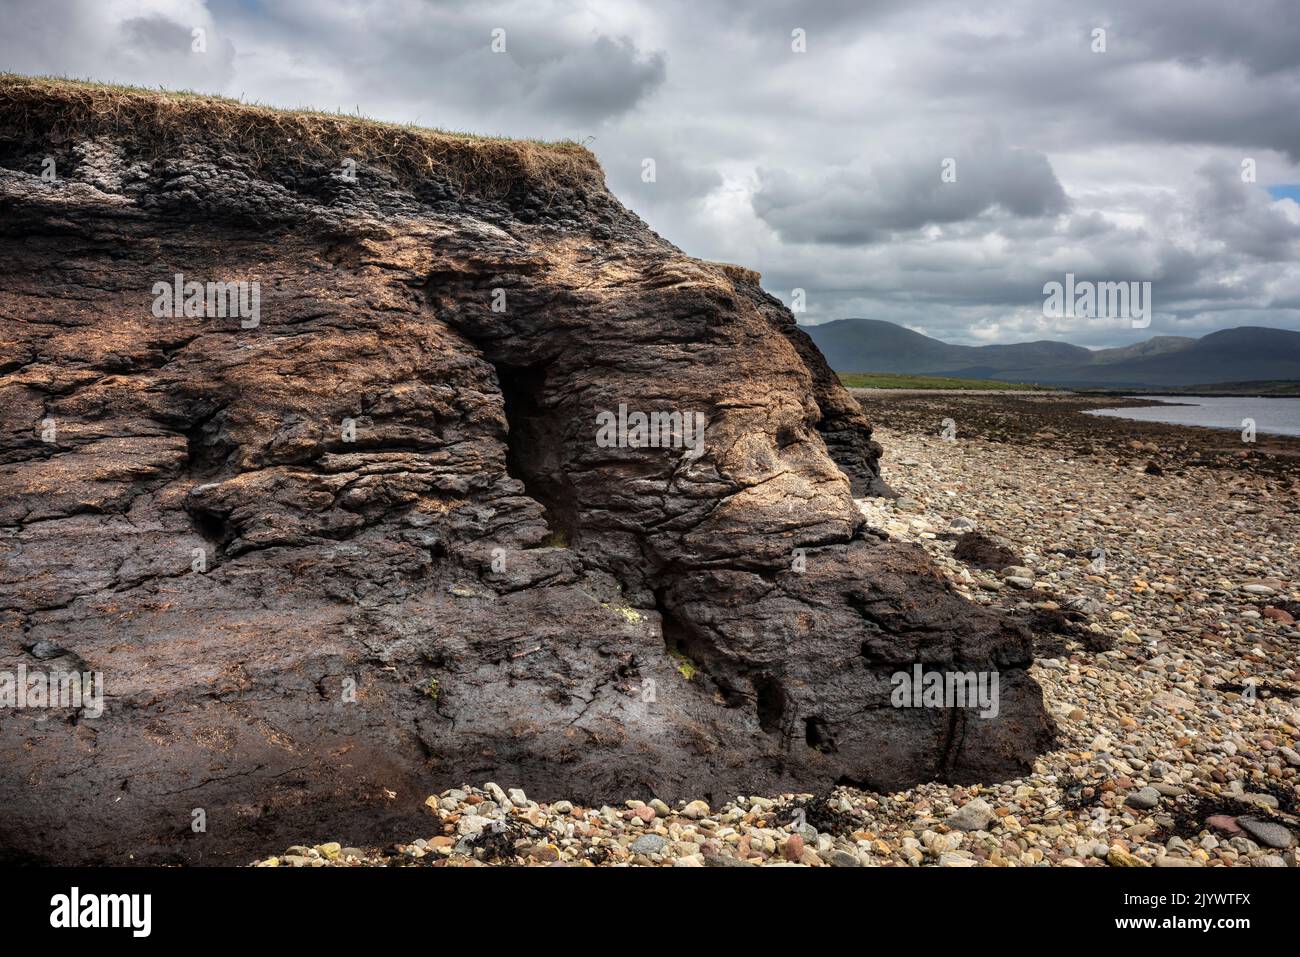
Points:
468	586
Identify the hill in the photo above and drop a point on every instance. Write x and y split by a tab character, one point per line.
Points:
875	380
1244	354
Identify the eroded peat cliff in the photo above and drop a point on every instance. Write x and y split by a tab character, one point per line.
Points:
358	542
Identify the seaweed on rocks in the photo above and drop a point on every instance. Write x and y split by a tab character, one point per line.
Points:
597	855
1262	689
1189	812
499	840
817	813
978	549
1077	795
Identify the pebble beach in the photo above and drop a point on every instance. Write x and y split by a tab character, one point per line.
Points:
1159	569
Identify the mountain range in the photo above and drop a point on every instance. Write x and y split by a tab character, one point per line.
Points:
1242	355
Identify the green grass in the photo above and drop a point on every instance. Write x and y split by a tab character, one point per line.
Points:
881	380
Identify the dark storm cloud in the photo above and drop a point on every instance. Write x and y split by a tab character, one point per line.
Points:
142	43
784	15
1232	76
821	169
155	34
1262	37
597	81
676	177
1236	118
871	204
1243	217
563	76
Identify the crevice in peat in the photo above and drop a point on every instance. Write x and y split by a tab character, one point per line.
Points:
533	445
211	527
771	703
696	655
207	447
818	736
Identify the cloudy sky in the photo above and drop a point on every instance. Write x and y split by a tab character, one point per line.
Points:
822	167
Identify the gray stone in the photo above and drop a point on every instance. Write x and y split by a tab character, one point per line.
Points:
648	844
1089	606
1263	800
1143	800
975	815
46	650
721	860
1266	832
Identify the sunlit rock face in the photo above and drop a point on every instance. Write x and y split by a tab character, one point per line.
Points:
378	462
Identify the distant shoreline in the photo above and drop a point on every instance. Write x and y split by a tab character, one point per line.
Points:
1082	393
913	382
1057	421
1176	394
875	390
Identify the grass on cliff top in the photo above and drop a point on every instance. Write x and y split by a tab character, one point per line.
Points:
880	380
55	109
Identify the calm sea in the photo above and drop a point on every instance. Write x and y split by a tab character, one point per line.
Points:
1278	416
